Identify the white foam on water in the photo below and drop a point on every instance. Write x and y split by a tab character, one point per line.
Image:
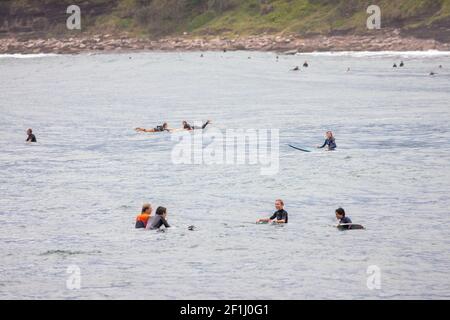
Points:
28	56
368	54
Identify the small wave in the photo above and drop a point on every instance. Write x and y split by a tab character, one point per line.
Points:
67	252
365	54
28	56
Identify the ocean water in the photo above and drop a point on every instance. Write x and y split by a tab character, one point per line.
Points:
68	203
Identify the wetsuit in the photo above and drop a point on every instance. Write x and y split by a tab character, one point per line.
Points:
156	222
159	129
345	220
187	126
141	220
31	138
280	215
331	143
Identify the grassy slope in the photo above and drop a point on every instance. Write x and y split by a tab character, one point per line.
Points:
161	17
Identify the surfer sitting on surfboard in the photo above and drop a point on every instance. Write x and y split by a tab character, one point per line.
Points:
345	223
330	142
142	219
279	216
162	128
158	220
31	137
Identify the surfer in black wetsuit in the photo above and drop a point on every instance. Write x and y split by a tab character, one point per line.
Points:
158	220
162	128
187	126
306	65
330	142
279	216
31	137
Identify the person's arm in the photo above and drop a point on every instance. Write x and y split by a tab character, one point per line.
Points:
164	222
205	124
324	144
267	219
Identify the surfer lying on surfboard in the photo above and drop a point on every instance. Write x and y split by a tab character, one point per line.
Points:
279	216
330	142
187	126
164	127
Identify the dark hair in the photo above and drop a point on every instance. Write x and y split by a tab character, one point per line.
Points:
340	212
160	211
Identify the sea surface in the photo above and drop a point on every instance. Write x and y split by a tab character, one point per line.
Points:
68	203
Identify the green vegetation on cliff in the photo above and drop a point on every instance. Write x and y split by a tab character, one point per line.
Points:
426	18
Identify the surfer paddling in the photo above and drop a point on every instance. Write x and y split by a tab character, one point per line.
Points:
161	128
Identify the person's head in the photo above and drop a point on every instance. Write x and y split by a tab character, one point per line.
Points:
161	211
146	208
29	131
279	204
340	213
165	125
184	123
329	135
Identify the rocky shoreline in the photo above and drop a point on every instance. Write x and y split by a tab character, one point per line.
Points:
392	41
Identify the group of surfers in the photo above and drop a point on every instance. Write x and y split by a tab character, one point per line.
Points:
165	127
153	222
329	144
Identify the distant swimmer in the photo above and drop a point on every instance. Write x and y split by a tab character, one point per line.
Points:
306	65
348	69
31	137
159	220
296	68
330	142
394	66
162	128
432	73
279	216
440	66
187	126
201	56
402	64
142	219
